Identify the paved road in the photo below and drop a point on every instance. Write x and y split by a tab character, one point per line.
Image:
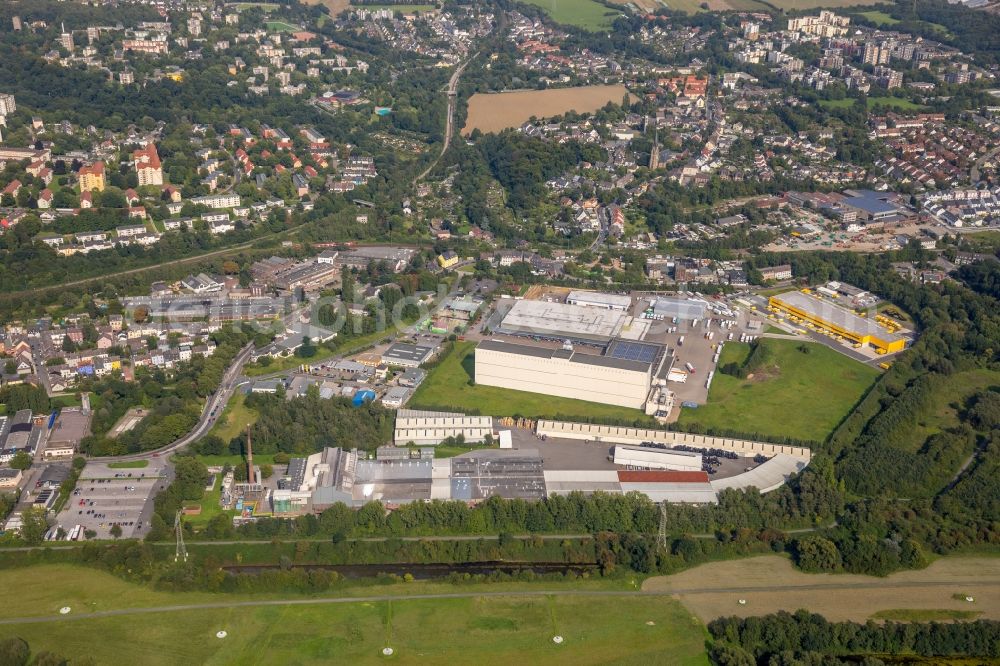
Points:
213	409
449	118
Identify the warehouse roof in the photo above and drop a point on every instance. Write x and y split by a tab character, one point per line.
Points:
402	351
600	299
871	202
560	320
679	307
834	314
566	354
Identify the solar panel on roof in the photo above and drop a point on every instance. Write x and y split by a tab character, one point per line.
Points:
633	351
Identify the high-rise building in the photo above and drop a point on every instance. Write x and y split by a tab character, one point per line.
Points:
147	166
66	39
7	105
92	177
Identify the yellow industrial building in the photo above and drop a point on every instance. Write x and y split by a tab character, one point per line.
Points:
839	321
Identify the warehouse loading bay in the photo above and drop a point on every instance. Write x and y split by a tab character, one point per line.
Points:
105	496
574	454
696	349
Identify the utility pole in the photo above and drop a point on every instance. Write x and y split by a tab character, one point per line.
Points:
661	537
181	552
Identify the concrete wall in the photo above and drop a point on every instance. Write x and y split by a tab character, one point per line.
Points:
623	435
556	376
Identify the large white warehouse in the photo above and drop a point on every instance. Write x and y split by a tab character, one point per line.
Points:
612	380
431	428
561	321
655	458
597	299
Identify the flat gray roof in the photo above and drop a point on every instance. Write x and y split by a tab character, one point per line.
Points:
600	298
571	356
408	352
561	320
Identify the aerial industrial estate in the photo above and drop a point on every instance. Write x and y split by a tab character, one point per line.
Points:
338	301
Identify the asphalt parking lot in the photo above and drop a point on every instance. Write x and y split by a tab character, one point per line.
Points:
106	496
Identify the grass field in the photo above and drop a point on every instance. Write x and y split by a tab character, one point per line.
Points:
210	506
803	396
129	464
894	102
585	14
281	26
263	6
486	630
335	6
772	584
447	387
880	18
945	415
235	417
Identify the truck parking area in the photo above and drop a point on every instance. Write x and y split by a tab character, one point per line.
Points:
696	342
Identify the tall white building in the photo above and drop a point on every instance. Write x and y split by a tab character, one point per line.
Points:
564	372
7	105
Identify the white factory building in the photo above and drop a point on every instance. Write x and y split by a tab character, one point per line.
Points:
561	321
620	377
643	457
596	299
431	428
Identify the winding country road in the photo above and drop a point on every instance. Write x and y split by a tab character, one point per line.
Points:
449	124
213	409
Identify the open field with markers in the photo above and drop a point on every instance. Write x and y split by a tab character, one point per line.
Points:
474	628
769	584
497	111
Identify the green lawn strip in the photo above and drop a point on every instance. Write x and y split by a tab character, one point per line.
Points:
129	464
235	418
925	614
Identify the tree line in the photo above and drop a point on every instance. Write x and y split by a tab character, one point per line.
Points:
797	638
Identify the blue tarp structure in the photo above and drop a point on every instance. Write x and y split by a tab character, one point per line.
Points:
363	396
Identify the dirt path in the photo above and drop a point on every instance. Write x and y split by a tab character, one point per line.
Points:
770	583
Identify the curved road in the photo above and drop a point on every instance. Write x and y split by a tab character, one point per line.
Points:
449	118
213	408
